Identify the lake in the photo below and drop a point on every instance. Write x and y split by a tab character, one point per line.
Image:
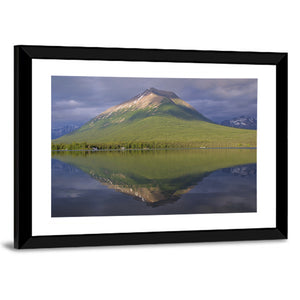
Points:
153	182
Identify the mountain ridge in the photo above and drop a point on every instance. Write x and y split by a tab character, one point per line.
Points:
245	122
59	131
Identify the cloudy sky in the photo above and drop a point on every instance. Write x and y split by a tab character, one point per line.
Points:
78	99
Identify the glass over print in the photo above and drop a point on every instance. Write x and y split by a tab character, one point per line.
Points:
123	147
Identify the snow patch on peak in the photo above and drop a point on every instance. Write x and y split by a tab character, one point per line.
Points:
246	122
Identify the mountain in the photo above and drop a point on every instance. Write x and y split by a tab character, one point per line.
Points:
154	119
245	122
151	102
60	131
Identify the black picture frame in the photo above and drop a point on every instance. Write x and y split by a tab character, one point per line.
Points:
23	56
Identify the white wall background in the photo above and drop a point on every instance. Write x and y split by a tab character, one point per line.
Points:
245	270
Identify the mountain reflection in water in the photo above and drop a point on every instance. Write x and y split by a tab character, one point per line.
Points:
162	182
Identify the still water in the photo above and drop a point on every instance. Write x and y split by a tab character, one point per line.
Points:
149	182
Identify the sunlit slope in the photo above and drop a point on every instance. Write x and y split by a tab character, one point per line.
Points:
165	129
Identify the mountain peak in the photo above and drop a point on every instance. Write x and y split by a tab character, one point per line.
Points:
149	103
157	92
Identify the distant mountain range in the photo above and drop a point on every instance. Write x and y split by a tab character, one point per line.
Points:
155	119
60	131
245	122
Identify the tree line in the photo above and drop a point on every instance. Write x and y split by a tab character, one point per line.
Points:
143	145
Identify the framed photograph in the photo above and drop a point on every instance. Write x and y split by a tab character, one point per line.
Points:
141	146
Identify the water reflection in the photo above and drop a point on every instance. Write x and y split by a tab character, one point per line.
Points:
159	182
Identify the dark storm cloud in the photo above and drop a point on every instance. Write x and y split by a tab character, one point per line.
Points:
78	99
